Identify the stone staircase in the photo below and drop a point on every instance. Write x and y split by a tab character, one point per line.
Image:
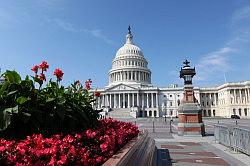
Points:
119	113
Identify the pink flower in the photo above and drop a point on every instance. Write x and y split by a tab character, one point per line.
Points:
99	159
104	147
63	160
90	134
2	148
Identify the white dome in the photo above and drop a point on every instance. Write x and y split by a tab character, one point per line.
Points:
129	65
129	49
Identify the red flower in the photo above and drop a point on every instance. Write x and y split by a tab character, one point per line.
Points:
97	94
58	73
42	77
88	84
104	147
44	66
35	68
91	134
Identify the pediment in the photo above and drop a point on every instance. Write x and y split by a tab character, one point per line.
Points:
120	87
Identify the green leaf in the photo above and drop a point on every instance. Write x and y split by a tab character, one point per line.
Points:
11	110
50	99
21	100
4	87
36	79
4	120
12	76
12	92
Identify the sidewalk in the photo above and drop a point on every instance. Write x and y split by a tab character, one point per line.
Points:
192	151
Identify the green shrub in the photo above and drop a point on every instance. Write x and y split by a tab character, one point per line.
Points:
47	109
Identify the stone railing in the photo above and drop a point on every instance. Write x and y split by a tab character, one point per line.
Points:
234	137
139	151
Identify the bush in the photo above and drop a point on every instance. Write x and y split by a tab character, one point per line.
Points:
28	106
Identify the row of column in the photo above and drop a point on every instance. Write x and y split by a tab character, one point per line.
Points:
129	76
128	100
212	99
241	96
117	64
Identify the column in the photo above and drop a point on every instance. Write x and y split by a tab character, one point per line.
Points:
215	98
156	100
119	98
137	100
245	92
147	101
143	96
133	99
248	92
128	100
240	96
235	98
115	101
152	100
123	100
102	101
110	102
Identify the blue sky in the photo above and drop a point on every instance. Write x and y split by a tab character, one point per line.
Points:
81	37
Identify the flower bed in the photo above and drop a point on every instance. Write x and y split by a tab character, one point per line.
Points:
91	147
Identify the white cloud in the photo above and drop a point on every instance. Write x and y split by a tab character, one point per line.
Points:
218	62
243	13
71	28
214	62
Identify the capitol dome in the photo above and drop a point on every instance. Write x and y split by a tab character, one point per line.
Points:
129	65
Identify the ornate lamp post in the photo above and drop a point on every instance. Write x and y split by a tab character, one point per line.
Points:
190	113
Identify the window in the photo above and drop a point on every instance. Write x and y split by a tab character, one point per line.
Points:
178	101
245	111
171	104
240	112
170	95
178	95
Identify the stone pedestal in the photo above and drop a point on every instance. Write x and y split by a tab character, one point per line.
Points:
190	120
190	112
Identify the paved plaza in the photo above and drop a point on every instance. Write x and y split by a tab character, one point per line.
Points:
184	151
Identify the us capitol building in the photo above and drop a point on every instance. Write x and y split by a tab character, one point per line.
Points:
130	92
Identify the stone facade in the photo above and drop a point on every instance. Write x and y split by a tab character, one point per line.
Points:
130	89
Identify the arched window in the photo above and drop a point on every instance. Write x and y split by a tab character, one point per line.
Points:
245	111
178	102
234	111
239	111
209	113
